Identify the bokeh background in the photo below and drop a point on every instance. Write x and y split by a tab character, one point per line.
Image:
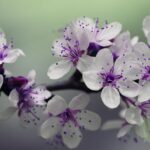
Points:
33	25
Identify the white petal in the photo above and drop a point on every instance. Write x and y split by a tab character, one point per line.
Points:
1	80
88	120
142	52
134	40
126	65
79	102
79	30
12	55
50	128
146	25
31	78
104	60
122	44
145	93
110	97
112	124
104	43
134	72
87	25
92	80
83	40
59	69
14	97
84	62
32	75
71	135
124	130
129	88
148	38
110	31
56	105
58	46
2	39
8	113
39	94
133	116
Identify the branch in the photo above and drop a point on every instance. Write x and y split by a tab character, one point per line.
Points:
67	85
73	83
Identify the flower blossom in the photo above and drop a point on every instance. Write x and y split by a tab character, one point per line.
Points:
142	69
66	121
112	77
73	47
25	98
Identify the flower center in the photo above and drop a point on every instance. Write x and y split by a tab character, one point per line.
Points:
25	100
26	105
110	78
68	115
93	49
72	53
146	75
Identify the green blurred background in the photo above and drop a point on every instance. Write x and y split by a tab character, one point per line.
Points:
33	25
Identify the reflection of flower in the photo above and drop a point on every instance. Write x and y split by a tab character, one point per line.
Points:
112	77
25	98
67	120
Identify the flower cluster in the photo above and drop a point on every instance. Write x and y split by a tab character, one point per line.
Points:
111	63
105	60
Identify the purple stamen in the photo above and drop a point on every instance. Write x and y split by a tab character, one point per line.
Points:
146	75
68	115
110	78
73	54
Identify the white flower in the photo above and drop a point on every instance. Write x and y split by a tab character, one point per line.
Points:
146	28
67	120
123	44
100	36
73	46
72	49
112	77
7	54
24	100
142	69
